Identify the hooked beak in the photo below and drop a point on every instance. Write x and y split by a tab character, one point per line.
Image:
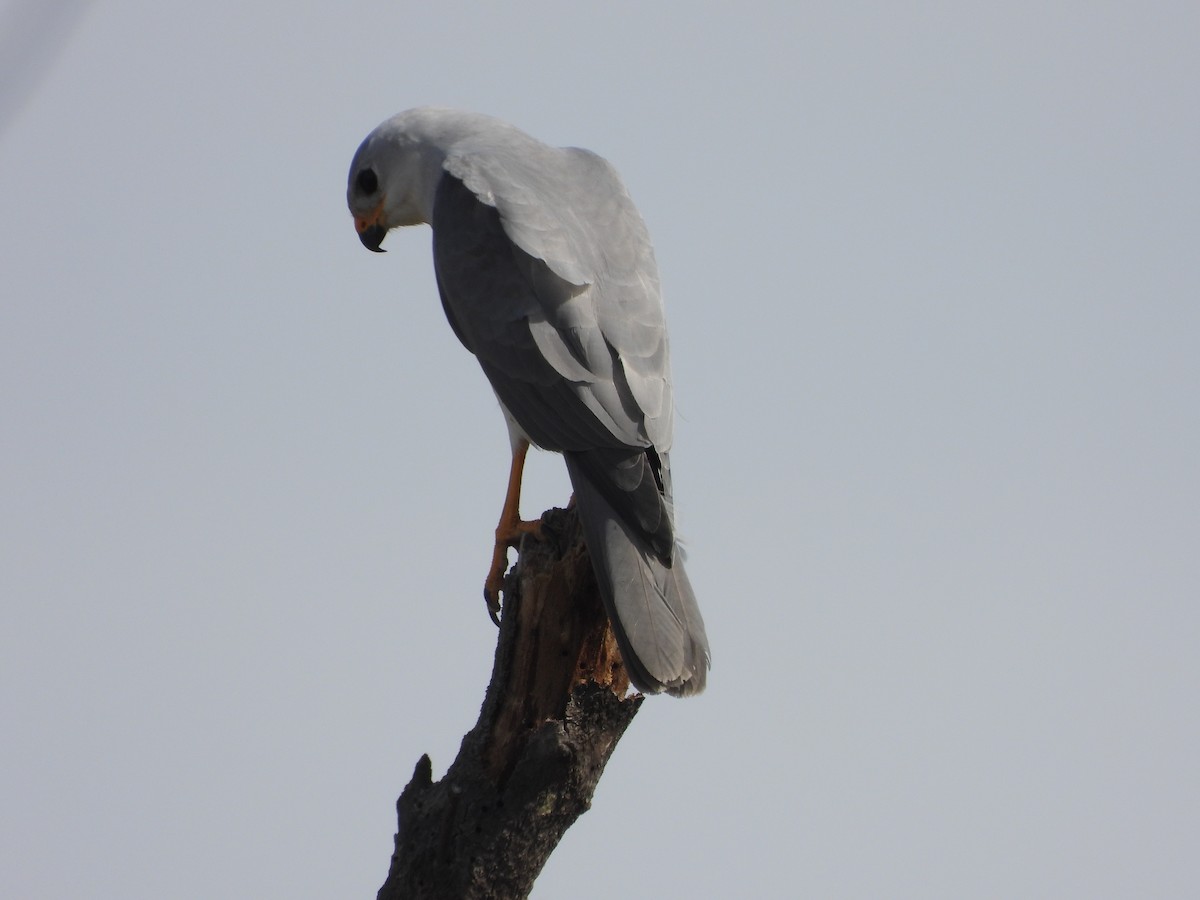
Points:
371	230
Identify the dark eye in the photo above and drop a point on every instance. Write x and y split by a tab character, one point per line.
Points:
366	182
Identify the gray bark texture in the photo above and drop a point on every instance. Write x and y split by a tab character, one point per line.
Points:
551	718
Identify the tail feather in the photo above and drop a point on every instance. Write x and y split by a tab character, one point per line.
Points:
651	605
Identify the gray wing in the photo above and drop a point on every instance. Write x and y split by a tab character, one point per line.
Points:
539	342
581	363
568	210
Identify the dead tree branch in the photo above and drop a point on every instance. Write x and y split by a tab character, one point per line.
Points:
551	718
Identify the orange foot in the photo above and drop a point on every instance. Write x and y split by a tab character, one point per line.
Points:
509	532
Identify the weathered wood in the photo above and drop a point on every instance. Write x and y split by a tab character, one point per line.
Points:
552	715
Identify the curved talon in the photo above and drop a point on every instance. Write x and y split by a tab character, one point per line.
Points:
495	581
508	534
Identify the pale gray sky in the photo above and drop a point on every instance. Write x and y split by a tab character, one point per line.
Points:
933	282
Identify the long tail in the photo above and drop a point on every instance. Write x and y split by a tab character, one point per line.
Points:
648	598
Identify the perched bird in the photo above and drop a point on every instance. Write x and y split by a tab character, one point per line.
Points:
547	275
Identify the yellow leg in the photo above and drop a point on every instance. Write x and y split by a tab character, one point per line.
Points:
509	531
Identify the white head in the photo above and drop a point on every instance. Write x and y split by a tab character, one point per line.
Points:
396	170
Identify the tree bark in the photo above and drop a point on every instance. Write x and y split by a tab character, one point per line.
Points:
551	718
